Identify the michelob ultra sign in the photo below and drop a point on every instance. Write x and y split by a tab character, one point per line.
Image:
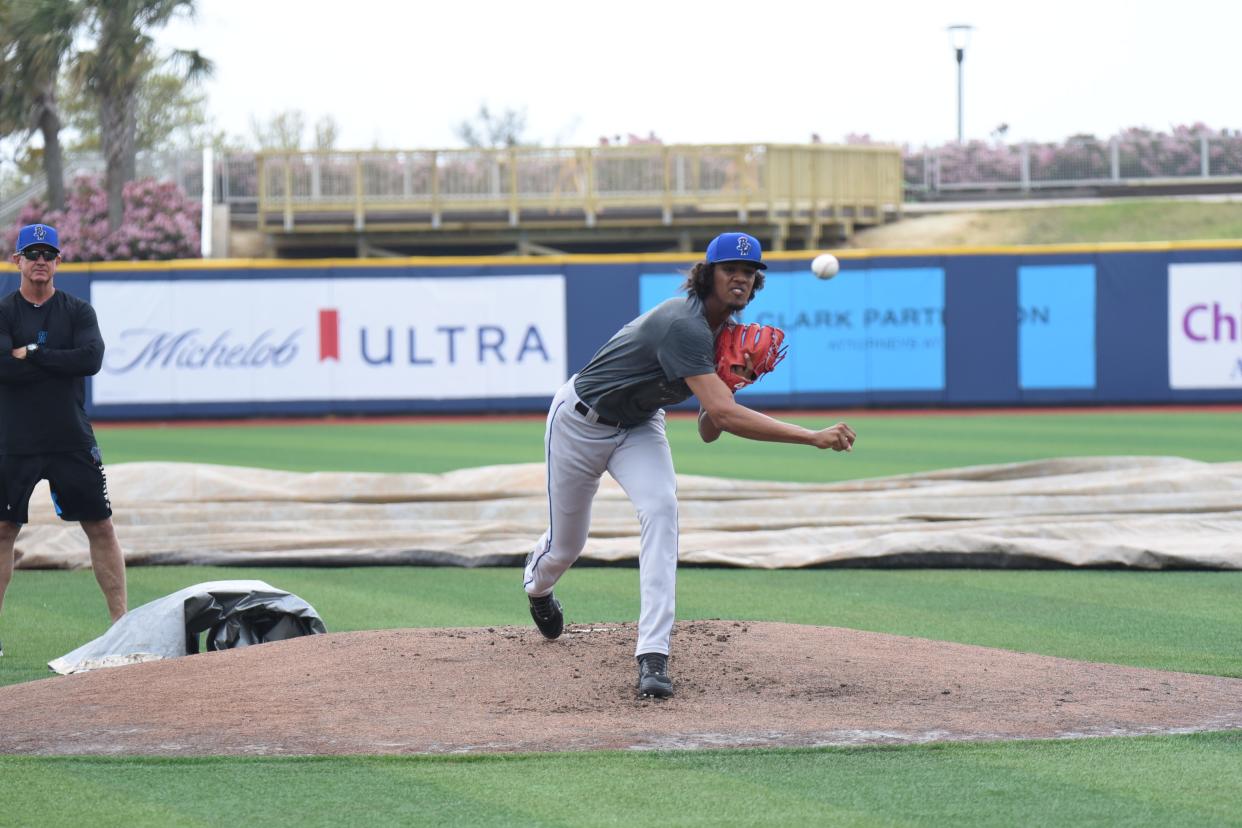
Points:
224	340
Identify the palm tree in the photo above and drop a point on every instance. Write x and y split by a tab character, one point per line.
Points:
113	71
36	38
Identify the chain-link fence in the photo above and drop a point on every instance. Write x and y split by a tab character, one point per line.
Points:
1081	161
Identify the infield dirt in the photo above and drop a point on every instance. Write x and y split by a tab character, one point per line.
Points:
504	689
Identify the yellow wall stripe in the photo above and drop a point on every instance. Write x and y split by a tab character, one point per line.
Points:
635	258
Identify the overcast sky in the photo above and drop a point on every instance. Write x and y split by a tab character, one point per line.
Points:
403	74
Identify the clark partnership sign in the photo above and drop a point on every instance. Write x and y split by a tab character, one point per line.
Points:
869	329
193	341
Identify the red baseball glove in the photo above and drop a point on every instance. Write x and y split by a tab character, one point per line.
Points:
744	353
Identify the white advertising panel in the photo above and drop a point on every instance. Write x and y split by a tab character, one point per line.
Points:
1205	325
330	339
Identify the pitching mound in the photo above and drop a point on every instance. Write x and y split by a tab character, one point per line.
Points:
506	689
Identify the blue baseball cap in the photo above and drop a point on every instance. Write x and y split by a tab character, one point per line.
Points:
736	247
41	234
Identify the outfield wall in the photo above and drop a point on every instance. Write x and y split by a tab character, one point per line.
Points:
999	326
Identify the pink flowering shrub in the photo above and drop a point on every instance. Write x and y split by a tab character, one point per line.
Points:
1141	153
1079	158
160	223
978	161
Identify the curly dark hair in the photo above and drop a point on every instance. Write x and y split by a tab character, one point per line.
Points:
701	277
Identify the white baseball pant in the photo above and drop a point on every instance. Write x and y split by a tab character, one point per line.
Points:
578	452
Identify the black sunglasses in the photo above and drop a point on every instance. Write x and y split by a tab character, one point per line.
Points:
42	253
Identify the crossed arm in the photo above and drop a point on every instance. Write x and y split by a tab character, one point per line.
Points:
14	369
719	411
83	359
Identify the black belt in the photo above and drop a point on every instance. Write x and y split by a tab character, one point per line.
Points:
582	409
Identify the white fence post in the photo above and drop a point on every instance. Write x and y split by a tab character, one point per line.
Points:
208	217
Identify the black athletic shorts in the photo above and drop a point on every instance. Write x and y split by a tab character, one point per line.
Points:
79	488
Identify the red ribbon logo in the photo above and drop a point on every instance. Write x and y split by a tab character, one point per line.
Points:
329	335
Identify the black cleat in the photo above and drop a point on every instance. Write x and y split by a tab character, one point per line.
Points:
548	616
653	680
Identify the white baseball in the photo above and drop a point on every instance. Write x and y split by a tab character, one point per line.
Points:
825	266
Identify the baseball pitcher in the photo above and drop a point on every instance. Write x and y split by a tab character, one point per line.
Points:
609	417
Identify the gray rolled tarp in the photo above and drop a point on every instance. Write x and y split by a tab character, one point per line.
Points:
226	614
1146	512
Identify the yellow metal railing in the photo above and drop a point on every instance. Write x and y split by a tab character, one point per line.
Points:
803	183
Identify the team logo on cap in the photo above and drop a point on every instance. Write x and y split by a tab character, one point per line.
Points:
40	232
743	245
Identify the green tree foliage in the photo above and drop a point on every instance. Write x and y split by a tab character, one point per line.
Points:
286	132
493	130
112	74
171	114
327	132
283	131
36	39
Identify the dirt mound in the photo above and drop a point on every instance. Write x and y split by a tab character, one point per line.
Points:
506	689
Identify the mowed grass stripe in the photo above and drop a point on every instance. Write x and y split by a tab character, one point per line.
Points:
1165	620
381	447
899	445
1173	780
886	444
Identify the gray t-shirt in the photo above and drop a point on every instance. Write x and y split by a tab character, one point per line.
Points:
644	366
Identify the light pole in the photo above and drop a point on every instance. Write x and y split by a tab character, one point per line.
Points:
959	38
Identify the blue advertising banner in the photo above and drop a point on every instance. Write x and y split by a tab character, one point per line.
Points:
903	325
1034	326
878	329
1056	326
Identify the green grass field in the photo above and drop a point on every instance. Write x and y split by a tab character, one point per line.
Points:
1165	781
1187	621
886	444
1168	620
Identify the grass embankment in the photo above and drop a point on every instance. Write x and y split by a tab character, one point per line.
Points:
1127	220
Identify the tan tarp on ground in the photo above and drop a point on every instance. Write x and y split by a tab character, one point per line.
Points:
1147	512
